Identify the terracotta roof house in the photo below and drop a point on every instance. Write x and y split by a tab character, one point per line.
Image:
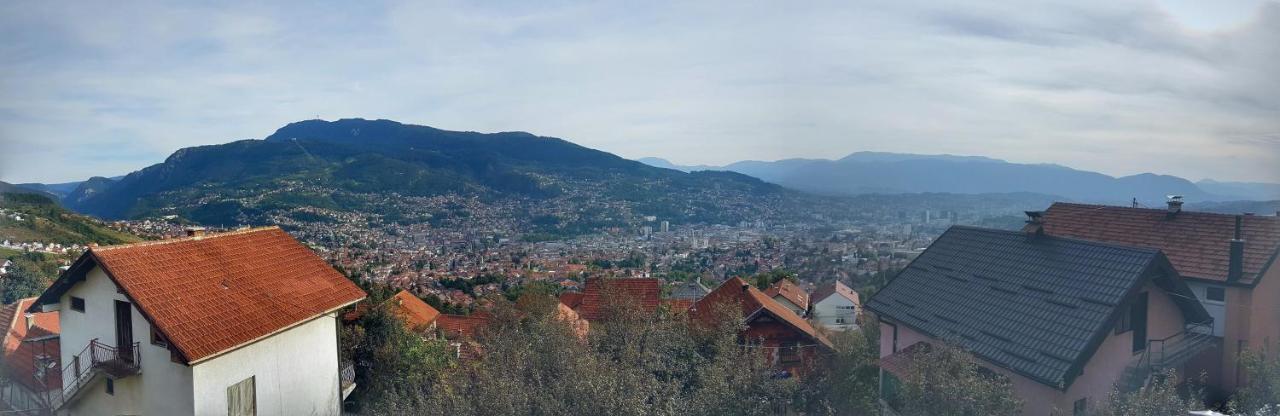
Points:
835	306
461	331
30	357
790	295
417	315
644	293
1228	260
244	320
788	340
1066	320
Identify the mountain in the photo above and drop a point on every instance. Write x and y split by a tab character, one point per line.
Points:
85	190
8	188
666	164
320	170
33	217
877	172
1256	191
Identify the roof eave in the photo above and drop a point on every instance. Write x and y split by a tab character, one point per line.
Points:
273	333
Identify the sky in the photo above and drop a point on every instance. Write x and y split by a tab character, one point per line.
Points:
1184	87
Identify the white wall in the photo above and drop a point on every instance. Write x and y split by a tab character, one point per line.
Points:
1218	310
828	313
793	307
162	388
296	372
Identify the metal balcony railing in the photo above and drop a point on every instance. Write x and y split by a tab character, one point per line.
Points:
96	358
1169	352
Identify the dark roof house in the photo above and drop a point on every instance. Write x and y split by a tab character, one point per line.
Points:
1038	306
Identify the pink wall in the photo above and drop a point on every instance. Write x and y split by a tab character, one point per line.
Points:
1100	373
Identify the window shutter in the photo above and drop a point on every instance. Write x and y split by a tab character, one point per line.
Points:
241	400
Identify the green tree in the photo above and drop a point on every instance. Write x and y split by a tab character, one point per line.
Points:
395	367
945	380
1261	395
1158	398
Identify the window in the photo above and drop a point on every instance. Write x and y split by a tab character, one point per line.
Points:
157	338
789	352
241	400
1080	407
77	304
1215	294
111	386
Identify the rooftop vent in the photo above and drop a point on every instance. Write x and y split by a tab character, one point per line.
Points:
1235	266
1175	205
195	231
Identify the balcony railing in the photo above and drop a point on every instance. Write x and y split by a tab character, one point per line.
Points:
96	358
347	378
1170	352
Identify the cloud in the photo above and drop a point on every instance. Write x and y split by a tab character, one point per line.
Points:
1121	88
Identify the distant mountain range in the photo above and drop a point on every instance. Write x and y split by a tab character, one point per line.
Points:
312	170
876	172
39	219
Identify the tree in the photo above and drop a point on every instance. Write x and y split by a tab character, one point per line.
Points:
396	367
945	380
849	382
22	281
1261	395
1159	398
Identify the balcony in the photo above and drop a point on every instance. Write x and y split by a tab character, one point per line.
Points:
1171	352
96	359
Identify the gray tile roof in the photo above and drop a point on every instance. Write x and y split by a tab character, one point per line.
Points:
1036	305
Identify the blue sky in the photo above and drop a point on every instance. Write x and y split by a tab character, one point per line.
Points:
1179	87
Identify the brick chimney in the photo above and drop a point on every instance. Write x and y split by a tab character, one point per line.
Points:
1235	267
1035	223
195	231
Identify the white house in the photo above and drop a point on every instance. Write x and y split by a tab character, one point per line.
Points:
241	323
836	306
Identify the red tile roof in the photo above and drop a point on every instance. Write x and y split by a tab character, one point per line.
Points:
835	288
215	293
1197	243
22	345
644	292
571	299
462	326
752	301
415	313
789	291
899	363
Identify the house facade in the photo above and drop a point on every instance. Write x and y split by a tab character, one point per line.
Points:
30	357
835	306
236	323
789	341
1065	320
1227	260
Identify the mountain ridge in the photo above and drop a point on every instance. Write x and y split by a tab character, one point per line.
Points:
883	172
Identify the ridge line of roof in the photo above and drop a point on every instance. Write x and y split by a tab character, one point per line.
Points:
1148	250
1158	210
185	239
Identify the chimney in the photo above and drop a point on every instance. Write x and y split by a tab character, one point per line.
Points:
195	231
1235	267
1035	223
1175	205
746	287
31	319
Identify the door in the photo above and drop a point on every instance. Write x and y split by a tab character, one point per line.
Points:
1138	318
124	330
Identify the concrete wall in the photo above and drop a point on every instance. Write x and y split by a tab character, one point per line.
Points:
295	371
162	388
1100	373
828	312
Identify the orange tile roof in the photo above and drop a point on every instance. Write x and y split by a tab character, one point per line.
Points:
415	313
215	293
1197	243
22	345
571	299
789	291
462	326
644	292
752	301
